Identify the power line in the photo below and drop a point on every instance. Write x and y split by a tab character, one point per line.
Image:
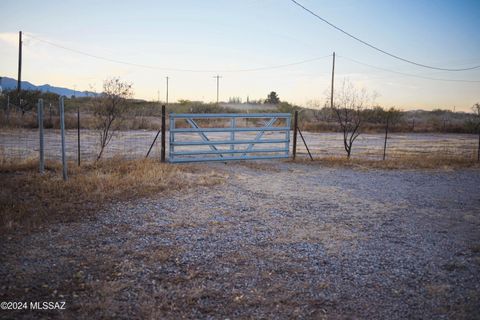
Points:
376	48
406	74
175	69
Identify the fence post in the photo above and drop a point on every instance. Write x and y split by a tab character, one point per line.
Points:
386	137
478	150
62	130
162	153
295	127
78	135
40	130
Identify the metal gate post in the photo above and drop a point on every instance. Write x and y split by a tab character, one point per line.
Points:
162	154
62	129
40	130
295	126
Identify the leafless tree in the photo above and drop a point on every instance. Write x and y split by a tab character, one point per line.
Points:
109	107
348	105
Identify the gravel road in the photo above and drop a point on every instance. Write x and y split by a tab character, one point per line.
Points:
277	240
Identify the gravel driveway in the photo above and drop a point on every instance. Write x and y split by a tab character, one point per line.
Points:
277	240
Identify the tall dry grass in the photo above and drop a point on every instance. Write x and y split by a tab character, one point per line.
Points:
29	199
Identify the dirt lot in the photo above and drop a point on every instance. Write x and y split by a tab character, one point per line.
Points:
277	240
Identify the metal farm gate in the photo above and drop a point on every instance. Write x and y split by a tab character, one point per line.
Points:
223	137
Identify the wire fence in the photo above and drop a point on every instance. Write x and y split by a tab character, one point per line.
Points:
22	143
399	145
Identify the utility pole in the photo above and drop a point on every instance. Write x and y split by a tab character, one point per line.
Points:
166	100
19	78
218	85
158	96
333	79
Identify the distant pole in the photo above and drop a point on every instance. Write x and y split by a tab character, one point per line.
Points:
295	127
19	80
218	85
158	96
62	129
162	151
386	137
166	100
40	130
333	80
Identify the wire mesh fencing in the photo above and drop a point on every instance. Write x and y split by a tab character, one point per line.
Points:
19	140
22	142
399	145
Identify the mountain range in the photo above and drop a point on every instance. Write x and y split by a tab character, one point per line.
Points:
7	83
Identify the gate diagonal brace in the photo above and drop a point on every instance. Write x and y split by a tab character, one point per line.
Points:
202	135
260	135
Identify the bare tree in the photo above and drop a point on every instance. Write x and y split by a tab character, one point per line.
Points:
109	107
347	108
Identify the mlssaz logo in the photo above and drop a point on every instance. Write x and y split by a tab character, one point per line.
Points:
47	305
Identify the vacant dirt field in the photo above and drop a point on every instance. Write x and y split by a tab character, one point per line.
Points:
278	240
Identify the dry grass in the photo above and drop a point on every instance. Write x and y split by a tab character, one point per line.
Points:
29	199
399	162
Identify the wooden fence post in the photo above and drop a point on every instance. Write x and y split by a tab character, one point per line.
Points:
386	137
162	154
295	127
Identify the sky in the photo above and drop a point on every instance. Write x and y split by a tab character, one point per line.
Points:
224	37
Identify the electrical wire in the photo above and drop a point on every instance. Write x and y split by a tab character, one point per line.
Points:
175	69
405	74
377	48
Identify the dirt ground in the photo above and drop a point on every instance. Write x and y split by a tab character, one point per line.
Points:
278	240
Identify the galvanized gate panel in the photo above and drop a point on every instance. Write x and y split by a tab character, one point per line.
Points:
235	140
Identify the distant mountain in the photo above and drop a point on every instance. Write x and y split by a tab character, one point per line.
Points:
7	83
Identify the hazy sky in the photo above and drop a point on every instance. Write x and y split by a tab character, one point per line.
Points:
218	36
